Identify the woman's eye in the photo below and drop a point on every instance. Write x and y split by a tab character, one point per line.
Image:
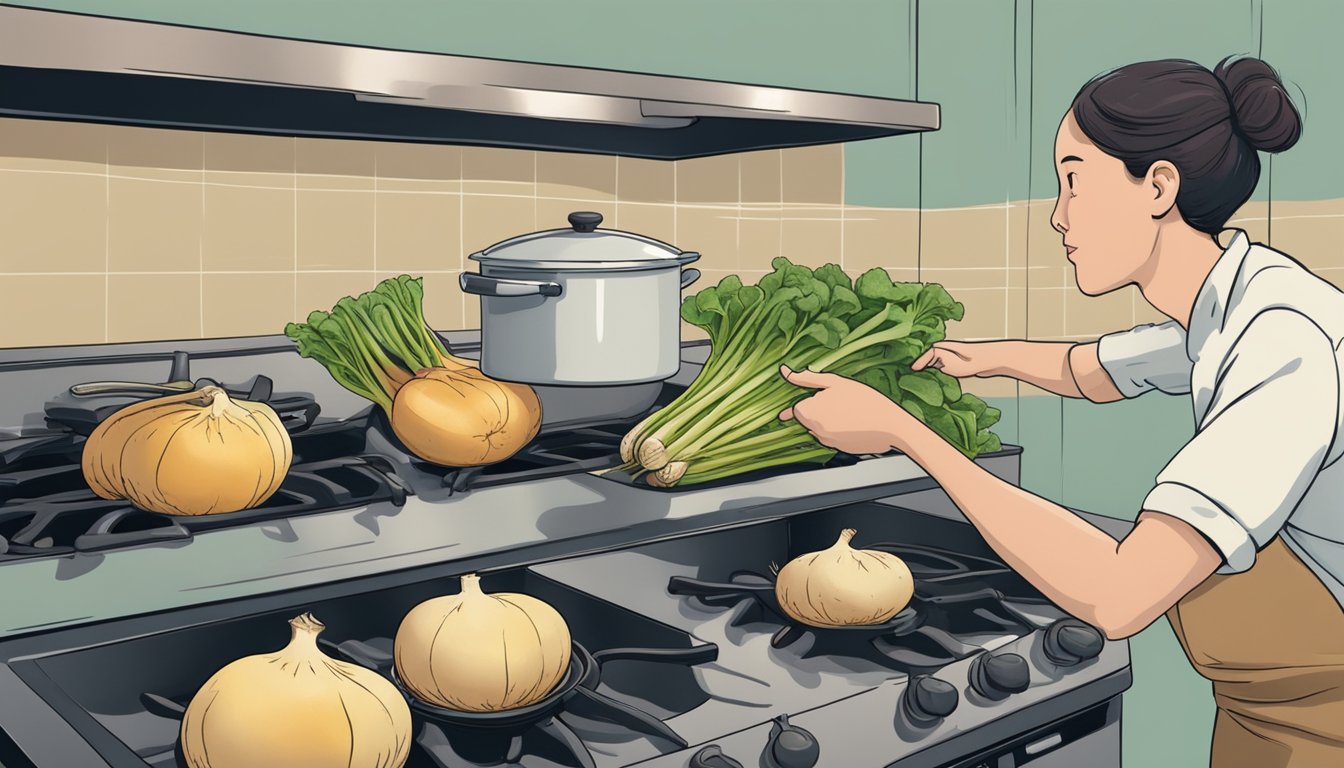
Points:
1070	178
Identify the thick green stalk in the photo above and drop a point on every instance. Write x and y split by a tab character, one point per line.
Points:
369	343
703	414
733	401
882	337
334	358
720	395
761	416
363	337
710	428
722	351
782	441
754	411
869	325
693	475
772	441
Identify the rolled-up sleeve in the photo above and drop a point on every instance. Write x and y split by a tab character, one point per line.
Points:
1147	357
1270	425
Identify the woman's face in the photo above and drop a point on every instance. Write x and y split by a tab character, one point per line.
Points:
1104	214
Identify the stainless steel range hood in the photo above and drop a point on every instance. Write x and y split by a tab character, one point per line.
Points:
60	65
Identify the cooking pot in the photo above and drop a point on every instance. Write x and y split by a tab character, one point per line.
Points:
581	306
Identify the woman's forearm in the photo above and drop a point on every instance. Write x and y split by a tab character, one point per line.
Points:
1044	364
1072	563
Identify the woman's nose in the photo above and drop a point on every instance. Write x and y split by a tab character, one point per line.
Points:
1058	220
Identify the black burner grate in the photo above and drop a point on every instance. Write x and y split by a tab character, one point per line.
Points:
956	596
83	407
47	509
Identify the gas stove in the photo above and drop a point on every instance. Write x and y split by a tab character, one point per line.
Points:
682	656
983	669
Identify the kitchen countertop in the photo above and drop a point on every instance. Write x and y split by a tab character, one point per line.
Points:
440	535
485	529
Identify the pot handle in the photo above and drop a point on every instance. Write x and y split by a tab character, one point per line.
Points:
500	288
689	276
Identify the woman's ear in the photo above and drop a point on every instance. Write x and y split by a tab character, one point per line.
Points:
1165	182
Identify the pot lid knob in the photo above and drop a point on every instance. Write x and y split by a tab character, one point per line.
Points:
585	221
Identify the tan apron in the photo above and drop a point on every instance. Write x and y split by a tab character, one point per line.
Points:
1272	641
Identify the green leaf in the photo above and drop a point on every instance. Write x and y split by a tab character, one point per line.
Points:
951	387
864	315
987	442
844	302
988	418
775	280
875	285
810	304
691	313
928	335
875	378
824	334
788	320
898	314
839	327
833	276
707	301
729	286
924	388
912	405
750	296
970	403
934	301
941	421
903	351
965	424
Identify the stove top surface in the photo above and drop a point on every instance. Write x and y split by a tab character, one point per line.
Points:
660	675
629	675
47	509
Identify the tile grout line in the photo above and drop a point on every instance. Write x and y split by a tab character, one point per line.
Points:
107	239
375	217
1007	262
200	251
781	205
294	179
462	225
842	207
180	272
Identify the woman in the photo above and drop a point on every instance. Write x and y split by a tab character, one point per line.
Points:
1241	540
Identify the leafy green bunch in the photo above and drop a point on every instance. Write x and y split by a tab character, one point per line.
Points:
870	330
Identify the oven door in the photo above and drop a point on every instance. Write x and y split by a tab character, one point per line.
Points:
1090	738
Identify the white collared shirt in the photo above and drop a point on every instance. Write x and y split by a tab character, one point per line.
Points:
1262	364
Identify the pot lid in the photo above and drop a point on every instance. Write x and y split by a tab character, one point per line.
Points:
583	246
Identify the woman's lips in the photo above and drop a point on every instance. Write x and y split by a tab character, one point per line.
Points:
1068	251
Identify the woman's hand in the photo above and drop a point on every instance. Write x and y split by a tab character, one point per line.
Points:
845	414
958	358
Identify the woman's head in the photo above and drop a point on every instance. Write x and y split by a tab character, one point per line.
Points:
1159	144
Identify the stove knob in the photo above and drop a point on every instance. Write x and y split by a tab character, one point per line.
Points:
713	757
1069	642
996	676
929	699
791	746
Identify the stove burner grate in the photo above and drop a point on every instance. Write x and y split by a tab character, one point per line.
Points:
47	509
83	407
552	728
952	599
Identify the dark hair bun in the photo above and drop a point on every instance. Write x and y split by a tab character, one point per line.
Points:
1260	105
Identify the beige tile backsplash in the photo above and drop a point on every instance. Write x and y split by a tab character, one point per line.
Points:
111	233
